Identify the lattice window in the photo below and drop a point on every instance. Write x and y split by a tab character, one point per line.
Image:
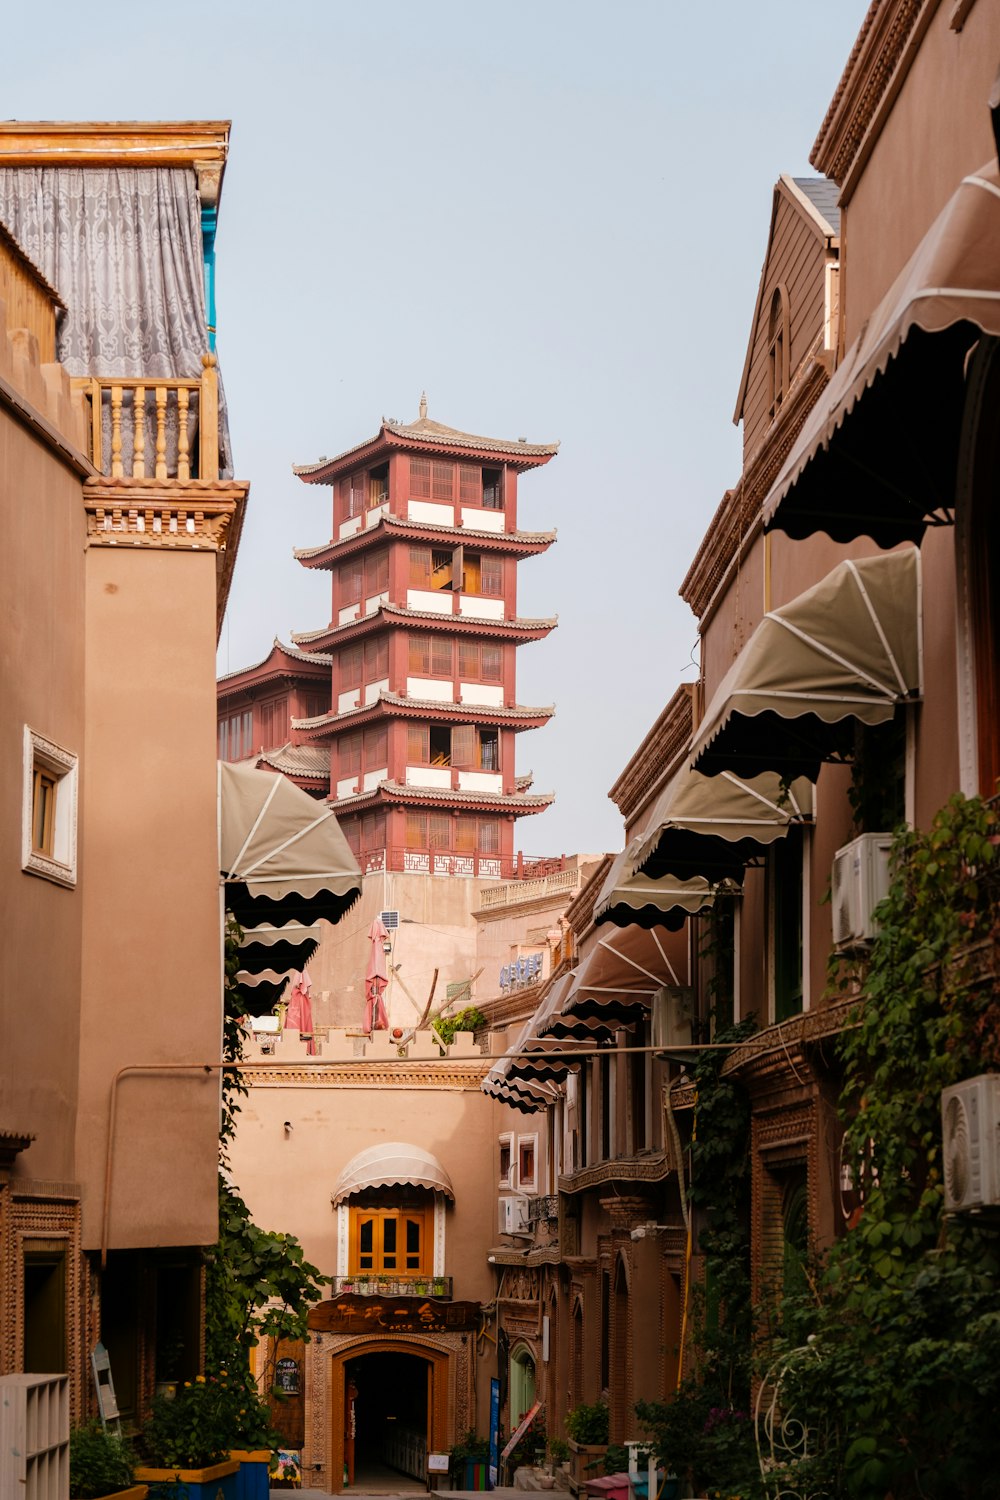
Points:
443	481
491	576
351	663
420	478
420	567
376	658
489	835
377	572
351	578
470	484
350	754
376	747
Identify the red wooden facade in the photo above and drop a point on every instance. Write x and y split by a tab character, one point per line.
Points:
423	708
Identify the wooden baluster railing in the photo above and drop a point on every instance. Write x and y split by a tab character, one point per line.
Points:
208	447
117	469
139	423
96	434
161	432
183	446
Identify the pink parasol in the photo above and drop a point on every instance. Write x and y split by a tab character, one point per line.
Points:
376	979
299	1016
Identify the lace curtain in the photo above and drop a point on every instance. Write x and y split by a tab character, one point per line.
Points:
123	247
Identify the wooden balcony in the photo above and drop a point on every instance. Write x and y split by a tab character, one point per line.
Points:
152	428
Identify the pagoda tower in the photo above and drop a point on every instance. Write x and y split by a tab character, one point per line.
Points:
423	635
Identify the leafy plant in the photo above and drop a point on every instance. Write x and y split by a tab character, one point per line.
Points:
558	1450
195	1428
588	1424
258	1283
470	1019
905	1319
100	1462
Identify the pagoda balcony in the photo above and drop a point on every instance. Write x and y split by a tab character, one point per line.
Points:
153	428
516	868
391	1284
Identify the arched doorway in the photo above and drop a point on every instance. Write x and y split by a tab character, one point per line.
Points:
387	1430
389	1409
522	1383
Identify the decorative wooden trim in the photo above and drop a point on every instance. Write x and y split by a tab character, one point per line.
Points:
811	1026
653	1168
200	144
883	53
447	1074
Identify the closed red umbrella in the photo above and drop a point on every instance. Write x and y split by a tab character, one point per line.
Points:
299	1016
376	978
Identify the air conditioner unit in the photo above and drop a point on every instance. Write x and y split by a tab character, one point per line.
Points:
390	920
970	1127
672	1014
512	1215
860	881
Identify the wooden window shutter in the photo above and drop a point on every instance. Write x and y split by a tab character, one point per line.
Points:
441	656
377	572
352	833
350	753
492	576
376	747
416	829
465	834
420	567
470	484
439	831
418	744
420	478
468	660
464	746
359	489
492	664
457	567
489	835
420	654
443	482
350	668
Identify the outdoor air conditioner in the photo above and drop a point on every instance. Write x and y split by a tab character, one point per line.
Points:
512	1215
390	920
860	881
970	1127
672	1014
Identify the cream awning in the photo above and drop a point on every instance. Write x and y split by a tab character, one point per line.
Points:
280	949
622	971
877	455
629	899
282	855
712	826
523	1077
392	1164
845	652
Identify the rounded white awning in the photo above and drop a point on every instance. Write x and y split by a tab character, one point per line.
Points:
394	1163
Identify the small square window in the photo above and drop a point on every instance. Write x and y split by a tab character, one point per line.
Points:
526	1150
48	819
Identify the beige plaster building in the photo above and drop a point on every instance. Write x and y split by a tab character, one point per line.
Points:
120	530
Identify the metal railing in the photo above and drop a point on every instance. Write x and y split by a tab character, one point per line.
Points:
372	1284
543	1206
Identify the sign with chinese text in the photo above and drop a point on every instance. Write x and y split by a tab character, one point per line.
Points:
355	1313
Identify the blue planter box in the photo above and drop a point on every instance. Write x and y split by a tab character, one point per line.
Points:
219	1482
252	1482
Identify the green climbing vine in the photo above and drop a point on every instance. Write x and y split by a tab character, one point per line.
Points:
905	1316
258	1283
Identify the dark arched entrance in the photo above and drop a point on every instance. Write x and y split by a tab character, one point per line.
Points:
391	1396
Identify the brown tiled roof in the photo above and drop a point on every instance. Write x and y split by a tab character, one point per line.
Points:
401	613
466	713
436	434
307	656
496	541
395	792
299	760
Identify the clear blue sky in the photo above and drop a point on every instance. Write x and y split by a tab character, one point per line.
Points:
550	216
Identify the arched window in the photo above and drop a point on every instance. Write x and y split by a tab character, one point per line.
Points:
778	338
522	1383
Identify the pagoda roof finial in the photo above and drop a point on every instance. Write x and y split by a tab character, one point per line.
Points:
423	405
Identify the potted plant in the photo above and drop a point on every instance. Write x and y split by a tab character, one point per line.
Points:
587	1430
101	1464
469	1458
558	1453
438	1286
188	1441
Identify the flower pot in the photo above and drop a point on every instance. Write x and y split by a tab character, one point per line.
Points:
252	1479
217	1482
586	1461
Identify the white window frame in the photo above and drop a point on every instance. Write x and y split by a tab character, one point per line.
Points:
527	1185
507	1182
44	754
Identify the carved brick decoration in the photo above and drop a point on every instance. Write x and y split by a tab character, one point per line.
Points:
31	1214
451	1356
